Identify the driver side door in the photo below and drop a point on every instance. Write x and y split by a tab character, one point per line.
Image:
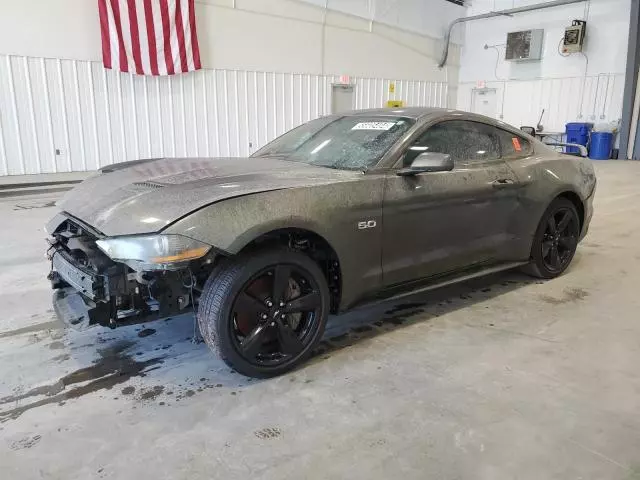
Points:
441	222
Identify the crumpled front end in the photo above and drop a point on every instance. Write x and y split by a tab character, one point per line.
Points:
90	288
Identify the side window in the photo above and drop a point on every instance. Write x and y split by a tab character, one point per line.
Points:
512	145
466	142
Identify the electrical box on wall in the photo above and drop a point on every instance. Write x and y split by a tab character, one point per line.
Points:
525	45
574	37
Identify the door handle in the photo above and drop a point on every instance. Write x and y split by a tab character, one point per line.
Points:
502	183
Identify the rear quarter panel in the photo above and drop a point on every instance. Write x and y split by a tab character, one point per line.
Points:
332	211
543	176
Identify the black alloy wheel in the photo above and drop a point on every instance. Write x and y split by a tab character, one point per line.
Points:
560	239
263	313
556	240
274	314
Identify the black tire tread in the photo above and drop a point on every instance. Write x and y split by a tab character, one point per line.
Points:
534	268
217	290
217	287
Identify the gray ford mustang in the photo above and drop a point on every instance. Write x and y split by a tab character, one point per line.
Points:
342	211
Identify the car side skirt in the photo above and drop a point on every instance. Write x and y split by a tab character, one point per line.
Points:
425	285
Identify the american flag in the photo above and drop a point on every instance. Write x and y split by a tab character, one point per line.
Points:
149	37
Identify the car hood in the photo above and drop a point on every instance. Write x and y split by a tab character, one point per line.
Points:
145	196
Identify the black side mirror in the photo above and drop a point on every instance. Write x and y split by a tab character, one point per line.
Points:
428	162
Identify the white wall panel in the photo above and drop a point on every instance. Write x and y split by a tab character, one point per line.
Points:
596	99
69	115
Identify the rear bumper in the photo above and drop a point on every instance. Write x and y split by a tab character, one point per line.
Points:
588	214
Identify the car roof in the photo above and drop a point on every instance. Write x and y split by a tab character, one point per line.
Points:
409	112
420	113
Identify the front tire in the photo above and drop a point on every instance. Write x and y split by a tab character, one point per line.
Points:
263	313
555	241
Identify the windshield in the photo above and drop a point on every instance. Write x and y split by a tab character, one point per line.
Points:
346	143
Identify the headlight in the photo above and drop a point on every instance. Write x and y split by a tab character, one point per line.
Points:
153	252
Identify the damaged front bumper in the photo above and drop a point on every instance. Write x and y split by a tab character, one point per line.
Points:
76	311
91	289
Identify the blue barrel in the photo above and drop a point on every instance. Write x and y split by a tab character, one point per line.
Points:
578	132
601	144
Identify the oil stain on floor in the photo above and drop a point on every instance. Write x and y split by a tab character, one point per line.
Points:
113	367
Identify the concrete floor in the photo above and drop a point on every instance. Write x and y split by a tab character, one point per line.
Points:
501	378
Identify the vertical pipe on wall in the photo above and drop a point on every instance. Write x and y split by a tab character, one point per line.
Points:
48	119
595	98
215	112
237	110
318	99
372	13
325	98
76	86
194	117
308	97
107	110
205	103
291	107
266	113
246	111
123	137
32	113
94	119
183	113
323	36
606	97
14	110
160	126
225	92
255	107
300	99
275	105
284	103
375	93
147	115
171	120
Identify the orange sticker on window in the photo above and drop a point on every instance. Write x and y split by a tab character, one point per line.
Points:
516	144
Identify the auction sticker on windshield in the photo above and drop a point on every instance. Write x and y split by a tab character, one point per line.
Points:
373	126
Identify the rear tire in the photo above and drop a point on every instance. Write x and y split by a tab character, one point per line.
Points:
262	313
555	241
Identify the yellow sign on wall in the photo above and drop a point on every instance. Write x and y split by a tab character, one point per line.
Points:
395	104
392	87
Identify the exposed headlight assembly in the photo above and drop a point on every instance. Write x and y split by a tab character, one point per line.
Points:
153	252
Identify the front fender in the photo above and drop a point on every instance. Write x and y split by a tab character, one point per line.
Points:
331	211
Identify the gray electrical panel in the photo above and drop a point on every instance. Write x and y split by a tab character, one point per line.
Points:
524	45
574	37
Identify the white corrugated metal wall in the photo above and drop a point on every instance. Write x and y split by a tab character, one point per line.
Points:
596	99
67	115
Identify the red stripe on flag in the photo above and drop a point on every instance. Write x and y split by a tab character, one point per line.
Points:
151	37
164	10
135	36
181	46
104	30
194	37
124	63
